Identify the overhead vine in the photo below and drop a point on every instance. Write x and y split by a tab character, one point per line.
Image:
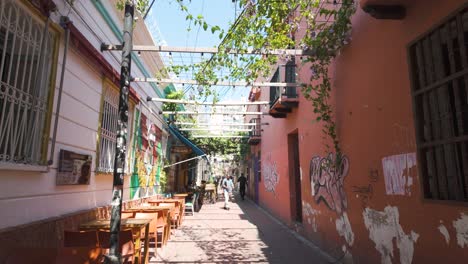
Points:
319	27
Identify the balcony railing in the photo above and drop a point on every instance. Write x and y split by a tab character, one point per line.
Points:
255	133
283	99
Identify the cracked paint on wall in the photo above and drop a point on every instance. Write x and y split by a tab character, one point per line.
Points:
344	228
461	226
384	227
310	214
443	230
398	173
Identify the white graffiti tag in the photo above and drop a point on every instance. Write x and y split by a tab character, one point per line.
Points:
327	181
271	176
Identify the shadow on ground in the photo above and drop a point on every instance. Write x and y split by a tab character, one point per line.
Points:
243	234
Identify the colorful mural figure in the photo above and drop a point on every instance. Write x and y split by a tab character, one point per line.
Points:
147	153
327	181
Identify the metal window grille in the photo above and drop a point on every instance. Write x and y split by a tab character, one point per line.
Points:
275	92
439	71
26	51
290	77
108	136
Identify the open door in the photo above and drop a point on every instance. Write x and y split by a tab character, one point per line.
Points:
294	177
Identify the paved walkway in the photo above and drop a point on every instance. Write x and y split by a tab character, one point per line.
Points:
244	234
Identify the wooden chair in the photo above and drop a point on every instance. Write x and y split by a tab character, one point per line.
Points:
79	255
191	205
163	226
80	238
126	245
153	230
126	215
175	211
32	256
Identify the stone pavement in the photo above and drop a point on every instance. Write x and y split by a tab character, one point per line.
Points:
244	234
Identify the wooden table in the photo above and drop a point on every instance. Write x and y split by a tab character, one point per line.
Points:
179	202
135	224
181	195
165	209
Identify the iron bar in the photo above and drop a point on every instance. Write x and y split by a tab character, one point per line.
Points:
197	157
114	256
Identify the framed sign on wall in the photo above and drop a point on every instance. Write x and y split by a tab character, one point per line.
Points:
74	168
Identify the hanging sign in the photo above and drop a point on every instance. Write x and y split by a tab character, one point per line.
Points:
74	168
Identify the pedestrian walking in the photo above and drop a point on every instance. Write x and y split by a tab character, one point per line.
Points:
227	186
242	182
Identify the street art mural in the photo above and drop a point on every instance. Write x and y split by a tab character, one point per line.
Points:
327	176
146	145
399	171
270	175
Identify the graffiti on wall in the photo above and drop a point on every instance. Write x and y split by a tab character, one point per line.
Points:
327	176
270	175
385	229
398	172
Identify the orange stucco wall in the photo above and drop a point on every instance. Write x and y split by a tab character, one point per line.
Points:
373	104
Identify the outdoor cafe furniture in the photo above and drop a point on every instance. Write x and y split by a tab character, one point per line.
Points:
163	218
210	192
126	245
88	238
136	225
67	255
175	212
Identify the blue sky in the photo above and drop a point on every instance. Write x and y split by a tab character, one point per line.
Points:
173	27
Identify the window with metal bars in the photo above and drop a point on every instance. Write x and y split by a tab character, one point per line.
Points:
108	131
26	53
439	72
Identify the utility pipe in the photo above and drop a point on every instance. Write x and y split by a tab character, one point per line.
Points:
64	21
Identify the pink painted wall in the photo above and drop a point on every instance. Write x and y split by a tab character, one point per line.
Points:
375	122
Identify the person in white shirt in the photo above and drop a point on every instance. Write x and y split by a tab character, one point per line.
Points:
227	186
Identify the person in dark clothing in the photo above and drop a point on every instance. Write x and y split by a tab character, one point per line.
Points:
242	182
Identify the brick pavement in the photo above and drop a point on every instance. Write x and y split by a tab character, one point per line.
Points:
244	234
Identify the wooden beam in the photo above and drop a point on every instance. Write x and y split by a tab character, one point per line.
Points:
164	100
224	124
220	136
210	113
221	83
211	129
207	50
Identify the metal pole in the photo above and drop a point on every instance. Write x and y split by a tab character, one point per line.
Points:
114	256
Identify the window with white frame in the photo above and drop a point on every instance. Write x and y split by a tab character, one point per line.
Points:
26	55
108	131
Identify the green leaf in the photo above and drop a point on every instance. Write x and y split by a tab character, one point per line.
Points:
205	26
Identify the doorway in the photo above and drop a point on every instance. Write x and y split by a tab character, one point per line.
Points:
294	177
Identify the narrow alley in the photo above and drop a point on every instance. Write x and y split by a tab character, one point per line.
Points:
244	234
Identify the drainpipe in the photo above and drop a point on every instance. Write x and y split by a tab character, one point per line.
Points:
64	21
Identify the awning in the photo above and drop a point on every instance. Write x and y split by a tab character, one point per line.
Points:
186	141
